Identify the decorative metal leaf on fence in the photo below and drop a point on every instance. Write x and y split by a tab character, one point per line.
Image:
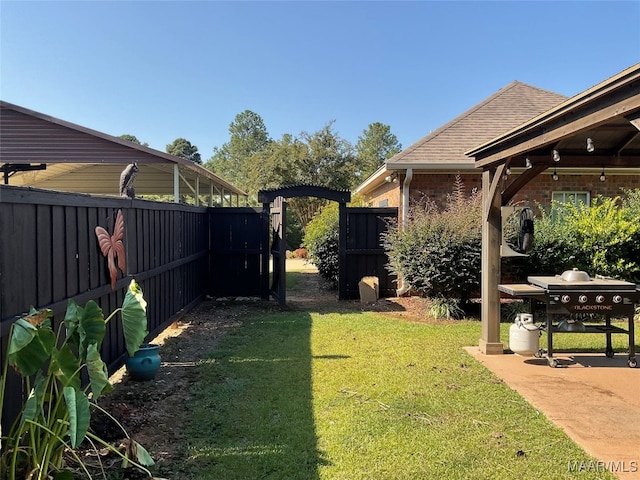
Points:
112	247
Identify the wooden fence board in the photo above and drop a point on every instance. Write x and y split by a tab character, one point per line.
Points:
44	256
58	253
85	235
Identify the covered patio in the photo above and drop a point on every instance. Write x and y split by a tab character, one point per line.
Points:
598	128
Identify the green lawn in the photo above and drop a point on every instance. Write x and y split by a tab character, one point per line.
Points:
303	395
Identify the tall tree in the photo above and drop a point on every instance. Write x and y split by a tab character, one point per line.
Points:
276	164
248	135
134	139
183	148
320	158
374	146
329	162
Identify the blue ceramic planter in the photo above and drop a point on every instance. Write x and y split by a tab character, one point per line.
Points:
145	363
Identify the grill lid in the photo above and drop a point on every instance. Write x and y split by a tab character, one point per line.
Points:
575	275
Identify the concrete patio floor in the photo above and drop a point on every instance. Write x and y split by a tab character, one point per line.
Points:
594	399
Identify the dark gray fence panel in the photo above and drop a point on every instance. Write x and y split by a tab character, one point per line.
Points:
236	236
364	253
49	253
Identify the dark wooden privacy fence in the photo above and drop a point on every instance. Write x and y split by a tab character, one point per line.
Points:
362	249
49	254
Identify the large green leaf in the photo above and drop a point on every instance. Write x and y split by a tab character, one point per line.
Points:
71	321
21	335
134	318
29	347
66	366
79	414
91	327
98	374
33	406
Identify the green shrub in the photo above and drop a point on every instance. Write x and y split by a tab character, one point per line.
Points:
601	239
449	308
294	231
298	253
631	203
439	250
322	241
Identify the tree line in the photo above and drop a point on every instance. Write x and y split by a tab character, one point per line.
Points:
253	161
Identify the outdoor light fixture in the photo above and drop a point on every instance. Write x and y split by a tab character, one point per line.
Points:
603	177
554	175
556	156
527	163
391	178
590	146
508	170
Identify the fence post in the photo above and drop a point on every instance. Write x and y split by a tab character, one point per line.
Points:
342	256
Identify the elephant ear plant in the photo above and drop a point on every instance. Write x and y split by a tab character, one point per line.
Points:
56	416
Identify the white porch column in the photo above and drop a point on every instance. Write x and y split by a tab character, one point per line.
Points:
176	184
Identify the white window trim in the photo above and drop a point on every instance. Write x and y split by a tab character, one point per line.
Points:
567	193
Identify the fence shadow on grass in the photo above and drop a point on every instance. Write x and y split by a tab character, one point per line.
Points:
253	411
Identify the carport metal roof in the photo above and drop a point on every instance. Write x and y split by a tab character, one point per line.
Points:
79	159
608	114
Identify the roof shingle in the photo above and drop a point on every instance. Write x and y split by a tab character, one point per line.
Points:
509	107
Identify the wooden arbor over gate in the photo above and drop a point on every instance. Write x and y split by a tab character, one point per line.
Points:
608	114
273	202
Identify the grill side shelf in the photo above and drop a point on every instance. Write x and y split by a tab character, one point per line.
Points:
522	290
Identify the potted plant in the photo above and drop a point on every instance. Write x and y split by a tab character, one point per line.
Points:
55	419
145	363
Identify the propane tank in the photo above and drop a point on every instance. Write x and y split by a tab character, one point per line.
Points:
524	336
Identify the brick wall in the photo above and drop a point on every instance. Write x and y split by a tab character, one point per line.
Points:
387	195
540	189
436	187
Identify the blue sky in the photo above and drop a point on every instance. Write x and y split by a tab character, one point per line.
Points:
163	70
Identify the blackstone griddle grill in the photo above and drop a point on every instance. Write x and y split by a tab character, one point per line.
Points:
574	292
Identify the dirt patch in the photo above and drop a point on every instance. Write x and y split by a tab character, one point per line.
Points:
154	413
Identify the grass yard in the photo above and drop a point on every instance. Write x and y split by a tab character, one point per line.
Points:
361	395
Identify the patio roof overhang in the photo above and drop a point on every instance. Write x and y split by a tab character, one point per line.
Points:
608	114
